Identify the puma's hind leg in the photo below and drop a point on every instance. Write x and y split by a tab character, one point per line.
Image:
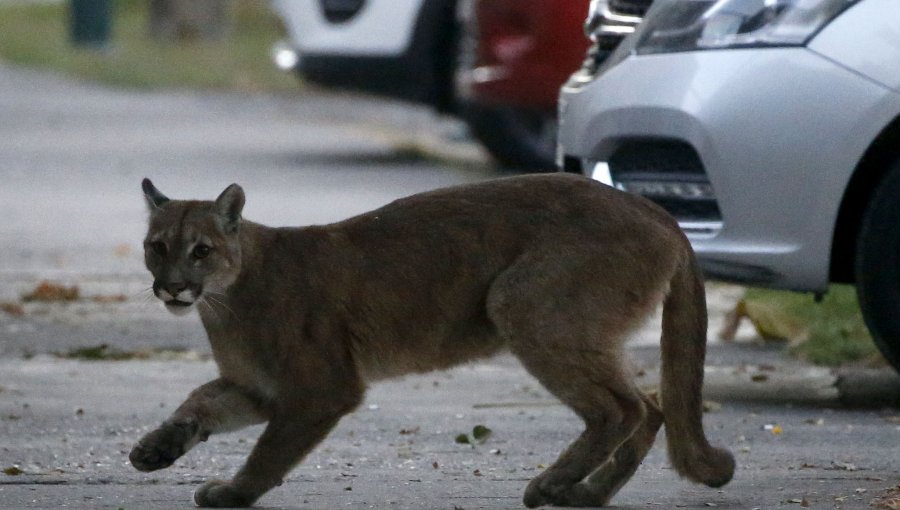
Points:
612	410
569	335
600	487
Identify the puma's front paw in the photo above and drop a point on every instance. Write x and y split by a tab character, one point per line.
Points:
162	447
219	494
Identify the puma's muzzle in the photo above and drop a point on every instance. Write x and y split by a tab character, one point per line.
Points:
178	301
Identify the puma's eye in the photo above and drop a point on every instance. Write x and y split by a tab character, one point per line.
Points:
201	251
158	248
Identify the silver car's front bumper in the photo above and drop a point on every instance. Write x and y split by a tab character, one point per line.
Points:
778	132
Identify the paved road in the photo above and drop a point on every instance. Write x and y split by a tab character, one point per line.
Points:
72	158
75	422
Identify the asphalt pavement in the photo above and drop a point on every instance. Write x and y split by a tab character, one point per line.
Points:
73	155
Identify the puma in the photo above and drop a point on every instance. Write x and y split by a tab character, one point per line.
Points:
556	269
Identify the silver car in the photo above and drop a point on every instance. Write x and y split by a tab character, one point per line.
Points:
769	128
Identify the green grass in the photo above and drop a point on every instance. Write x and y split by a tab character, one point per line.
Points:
836	332
37	36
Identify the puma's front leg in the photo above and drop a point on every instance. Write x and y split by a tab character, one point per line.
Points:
217	406
289	436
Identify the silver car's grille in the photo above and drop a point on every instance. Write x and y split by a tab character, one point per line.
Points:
629	7
614	20
668	172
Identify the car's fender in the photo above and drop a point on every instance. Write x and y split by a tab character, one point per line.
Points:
863	39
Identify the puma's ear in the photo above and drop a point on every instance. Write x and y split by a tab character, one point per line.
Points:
155	199
230	204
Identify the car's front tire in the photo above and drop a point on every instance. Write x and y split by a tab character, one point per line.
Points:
878	266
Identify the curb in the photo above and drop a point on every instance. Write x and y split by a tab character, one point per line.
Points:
869	387
795	384
866	388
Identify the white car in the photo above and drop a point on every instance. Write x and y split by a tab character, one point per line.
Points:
769	128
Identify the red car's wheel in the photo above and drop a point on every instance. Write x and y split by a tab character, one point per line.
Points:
517	138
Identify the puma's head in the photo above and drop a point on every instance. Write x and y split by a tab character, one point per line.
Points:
192	247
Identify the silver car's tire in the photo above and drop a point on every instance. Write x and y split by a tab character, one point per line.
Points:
878	266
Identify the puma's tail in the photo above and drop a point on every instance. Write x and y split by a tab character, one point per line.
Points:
684	324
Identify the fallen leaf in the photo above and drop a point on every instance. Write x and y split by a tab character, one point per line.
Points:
772	324
100	352
815	421
435	465
481	433
462	439
759	377
13	471
104	352
14	309
114	298
710	406
892	419
776	430
842	466
890	500
51	292
406	432
477	472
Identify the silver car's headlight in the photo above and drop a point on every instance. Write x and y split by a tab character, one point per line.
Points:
688	25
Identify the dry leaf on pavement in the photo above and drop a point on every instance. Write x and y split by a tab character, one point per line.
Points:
51	292
14	309
890	500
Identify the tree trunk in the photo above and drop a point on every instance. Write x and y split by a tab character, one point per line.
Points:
189	20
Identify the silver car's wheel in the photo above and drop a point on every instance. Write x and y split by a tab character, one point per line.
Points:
878	266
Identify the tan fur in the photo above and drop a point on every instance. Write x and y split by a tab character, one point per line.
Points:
557	269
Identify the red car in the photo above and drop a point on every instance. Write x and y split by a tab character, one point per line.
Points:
515	55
